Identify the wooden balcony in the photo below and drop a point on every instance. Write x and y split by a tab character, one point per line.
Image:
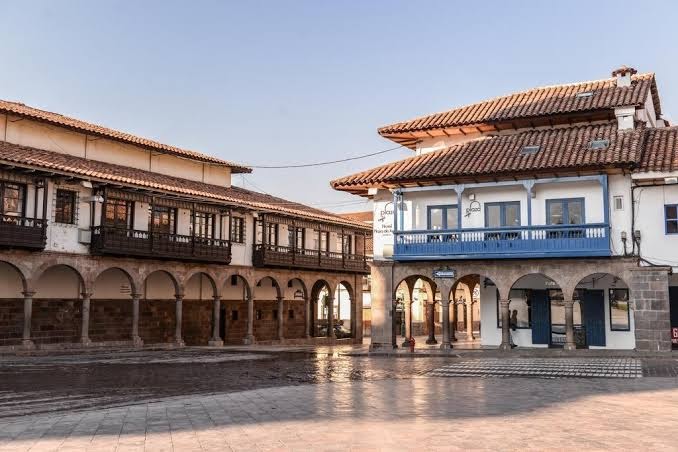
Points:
582	240
22	232
135	243
289	257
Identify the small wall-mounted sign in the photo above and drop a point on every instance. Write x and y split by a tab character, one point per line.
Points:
445	274
474	207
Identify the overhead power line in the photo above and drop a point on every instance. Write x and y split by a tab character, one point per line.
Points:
330	162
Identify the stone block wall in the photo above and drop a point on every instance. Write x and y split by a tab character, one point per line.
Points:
235	329
196	321
650	297
294	328
266	328
110	320
56	321
156	321
11	321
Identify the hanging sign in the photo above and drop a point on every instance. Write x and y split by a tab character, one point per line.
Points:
474	207
445	274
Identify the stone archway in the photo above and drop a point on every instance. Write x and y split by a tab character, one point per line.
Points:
112	306
198	309
15	307
161	308
322	295
297	307
238	310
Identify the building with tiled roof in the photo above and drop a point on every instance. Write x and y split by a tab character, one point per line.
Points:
107	237
554	208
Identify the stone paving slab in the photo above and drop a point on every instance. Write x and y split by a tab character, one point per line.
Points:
416	414
543	368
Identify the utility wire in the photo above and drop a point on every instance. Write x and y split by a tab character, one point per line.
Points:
331	162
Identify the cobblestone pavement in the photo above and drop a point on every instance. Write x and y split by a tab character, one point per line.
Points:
205	399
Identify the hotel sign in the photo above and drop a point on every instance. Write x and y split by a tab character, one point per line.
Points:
445	274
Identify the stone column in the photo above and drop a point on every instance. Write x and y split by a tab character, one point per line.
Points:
430	314
453	327
84	330
136	339
330	316
408	323
505	325
215	340
26	341
249	337
382	306
178	313
649	293
307	320
281	319
469	330
445	300
569	325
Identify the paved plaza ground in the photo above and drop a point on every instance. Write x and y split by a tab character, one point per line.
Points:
322	399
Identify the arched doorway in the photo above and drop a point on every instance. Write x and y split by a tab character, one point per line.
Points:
343	311
58	306
111	307
296	309
235	296
465	308
321	303
198	309
12	288
416	310
603	313
537	311
158	309
267	313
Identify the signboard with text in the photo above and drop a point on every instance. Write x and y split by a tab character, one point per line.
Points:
445	274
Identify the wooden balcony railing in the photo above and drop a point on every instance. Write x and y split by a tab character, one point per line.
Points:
129	242
22	232
581	240
285	256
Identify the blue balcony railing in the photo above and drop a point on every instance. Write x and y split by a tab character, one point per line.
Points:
509	242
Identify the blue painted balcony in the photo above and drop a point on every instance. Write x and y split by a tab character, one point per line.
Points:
583	240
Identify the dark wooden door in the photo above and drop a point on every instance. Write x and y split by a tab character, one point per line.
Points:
541	317
593	313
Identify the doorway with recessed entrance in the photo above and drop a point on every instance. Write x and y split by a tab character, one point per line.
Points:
588	314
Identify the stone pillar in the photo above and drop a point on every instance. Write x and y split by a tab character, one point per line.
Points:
136	339
84	330
569	325
249	337
469	329
178	313
649	294
330	315
382	331
408	323
430	318
453	327
26	341
307	319
358	314
445	300
215	340
281	319
505	325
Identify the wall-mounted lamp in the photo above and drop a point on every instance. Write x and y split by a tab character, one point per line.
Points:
472	196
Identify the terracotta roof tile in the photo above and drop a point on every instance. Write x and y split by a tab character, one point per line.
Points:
82	126
560	149
661	150
13	154
367	216
536	102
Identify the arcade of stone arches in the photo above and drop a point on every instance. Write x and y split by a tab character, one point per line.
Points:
534	311
85	302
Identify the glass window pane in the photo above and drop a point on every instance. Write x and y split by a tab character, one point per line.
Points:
451	218
435	218
672	227
512	215
576	212
671	212
555	213
619	309
493	219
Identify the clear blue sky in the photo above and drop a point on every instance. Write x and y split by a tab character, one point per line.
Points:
305	81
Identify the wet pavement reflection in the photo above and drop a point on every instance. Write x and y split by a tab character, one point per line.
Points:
36	384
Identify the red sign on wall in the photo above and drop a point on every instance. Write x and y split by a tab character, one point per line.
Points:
674	335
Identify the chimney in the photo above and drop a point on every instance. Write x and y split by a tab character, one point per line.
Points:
623	75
